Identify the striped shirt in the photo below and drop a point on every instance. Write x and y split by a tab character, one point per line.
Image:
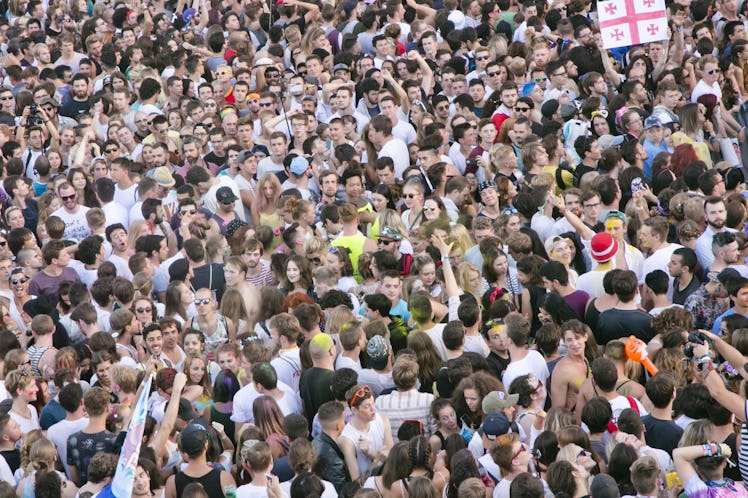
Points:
409	405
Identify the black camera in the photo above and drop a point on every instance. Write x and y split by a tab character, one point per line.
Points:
694	337
471	161
34	119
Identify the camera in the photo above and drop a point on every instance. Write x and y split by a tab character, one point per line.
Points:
694	337
471	161
34	119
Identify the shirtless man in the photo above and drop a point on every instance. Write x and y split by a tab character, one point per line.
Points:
572	370
615	351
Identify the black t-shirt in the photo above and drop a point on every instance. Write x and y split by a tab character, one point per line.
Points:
661	434
209	277
679	297
314	388
497	364
82	447
13	458
73	108
211	157
619	324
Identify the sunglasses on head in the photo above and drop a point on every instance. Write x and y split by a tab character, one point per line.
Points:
361	392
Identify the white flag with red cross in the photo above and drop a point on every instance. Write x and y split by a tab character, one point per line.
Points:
632	22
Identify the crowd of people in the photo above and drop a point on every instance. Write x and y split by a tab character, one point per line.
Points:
372	249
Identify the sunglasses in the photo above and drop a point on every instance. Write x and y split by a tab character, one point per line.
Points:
541	78
521	109
205	301
361	393
143	310
68	197
382	242
482	58
409	196
110	151
266	104
713	71
522	448
494	74
442	108
6	98
509	210
21	281
188	211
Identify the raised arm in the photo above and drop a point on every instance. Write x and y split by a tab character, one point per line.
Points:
585	232
427	82
158	443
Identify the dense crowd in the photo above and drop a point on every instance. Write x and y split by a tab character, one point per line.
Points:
376	249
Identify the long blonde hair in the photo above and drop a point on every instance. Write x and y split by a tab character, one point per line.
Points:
270	178
389	217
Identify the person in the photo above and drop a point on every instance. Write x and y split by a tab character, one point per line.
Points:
522	359
93	438
572	369
610	323
71	399
314	383
193	442
367	438
331	459
406	402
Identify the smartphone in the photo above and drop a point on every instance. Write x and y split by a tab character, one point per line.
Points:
269	477
636	185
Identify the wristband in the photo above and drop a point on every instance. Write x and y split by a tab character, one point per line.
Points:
445	259
707	370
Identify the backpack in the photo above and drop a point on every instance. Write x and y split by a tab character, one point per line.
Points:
612	427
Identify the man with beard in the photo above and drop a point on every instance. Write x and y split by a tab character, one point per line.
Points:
725	250
257	273
72	213
116	235
586	55
715	215
79	103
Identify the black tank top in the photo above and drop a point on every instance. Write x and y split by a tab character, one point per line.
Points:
211	482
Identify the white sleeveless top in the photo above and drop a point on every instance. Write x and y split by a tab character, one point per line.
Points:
375	437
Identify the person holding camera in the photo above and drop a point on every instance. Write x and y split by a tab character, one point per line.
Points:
35	133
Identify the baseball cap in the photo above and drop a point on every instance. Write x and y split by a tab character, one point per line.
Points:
495	401
495	425
243	156
49	101
652	122
299	165
549	108
568	111
389	232
608	141
193	438
340	67
186	411
225	195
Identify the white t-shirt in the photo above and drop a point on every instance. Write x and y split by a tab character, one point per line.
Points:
436	337
398	151
405	132
288	367
76	226
115	213
659	261
533	363
59	434
246	396
127	197
27	424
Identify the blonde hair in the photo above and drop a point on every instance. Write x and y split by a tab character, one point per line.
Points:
143	284
125	377
133	232
464	271
28	441
337	317
42	455
460	235
389	217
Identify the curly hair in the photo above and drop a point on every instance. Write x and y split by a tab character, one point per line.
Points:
672	318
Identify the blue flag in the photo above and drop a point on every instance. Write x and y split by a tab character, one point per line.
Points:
124	477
